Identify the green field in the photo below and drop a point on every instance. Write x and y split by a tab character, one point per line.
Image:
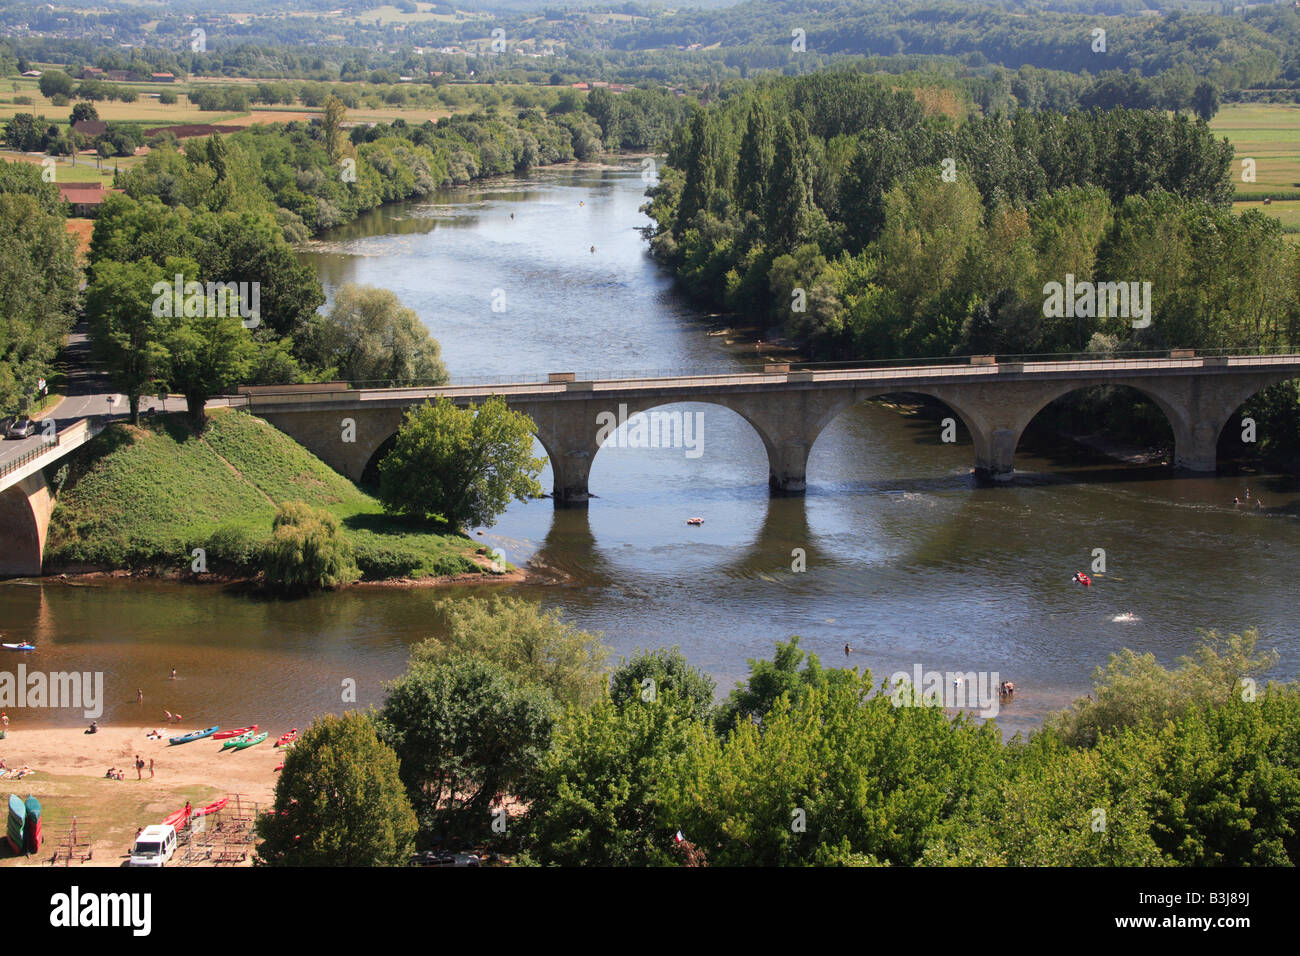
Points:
145	497
1268	133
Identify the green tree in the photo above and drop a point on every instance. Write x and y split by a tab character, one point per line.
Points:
838	775
1136	691
597	797
668	673
462	465
307	550
1205	100
126	331
38	290
83	111
55	83
769	681
339	801
527	640
246	246
332	127
1058	806
467	733
754	162
369	337
1229	783
789	195
24	133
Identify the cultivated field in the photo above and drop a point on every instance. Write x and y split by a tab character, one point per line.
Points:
1268	133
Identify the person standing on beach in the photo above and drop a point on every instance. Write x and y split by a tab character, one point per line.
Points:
151	766
139	768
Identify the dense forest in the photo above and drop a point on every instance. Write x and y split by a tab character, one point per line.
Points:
868	227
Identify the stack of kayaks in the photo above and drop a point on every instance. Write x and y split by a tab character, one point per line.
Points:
17	824
237	732
288	738
177	819
33	824
237	741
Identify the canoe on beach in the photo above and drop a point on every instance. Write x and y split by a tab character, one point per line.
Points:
194	735
238	732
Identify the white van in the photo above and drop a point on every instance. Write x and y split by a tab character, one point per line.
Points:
154	846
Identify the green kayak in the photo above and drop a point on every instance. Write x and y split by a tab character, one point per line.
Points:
235	741
250	741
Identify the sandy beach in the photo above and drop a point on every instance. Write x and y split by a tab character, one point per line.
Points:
69	780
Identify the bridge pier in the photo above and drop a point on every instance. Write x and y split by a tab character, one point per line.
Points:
788	468
571	473
995	453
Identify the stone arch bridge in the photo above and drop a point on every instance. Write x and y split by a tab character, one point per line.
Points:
788	409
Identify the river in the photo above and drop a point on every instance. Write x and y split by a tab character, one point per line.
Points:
908	560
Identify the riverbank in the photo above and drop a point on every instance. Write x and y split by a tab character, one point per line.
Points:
68	778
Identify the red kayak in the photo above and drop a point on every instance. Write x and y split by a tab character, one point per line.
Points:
234	733
211	807
288	738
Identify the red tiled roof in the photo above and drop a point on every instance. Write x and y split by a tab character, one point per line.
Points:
84	193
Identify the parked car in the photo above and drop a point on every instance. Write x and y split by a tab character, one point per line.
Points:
154	846
20	428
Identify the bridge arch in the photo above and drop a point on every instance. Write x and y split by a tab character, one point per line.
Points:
25	508
667	424
1174	415
969	416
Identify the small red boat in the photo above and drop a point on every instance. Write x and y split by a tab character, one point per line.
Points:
225	734
1083	579
279	766
288	738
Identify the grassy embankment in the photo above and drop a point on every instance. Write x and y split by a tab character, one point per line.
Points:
145	497
1268	133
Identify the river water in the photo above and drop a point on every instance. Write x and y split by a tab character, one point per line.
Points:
908	559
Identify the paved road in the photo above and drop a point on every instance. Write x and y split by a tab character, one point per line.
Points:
89	393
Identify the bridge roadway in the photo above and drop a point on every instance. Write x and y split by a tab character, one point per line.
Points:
789	408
